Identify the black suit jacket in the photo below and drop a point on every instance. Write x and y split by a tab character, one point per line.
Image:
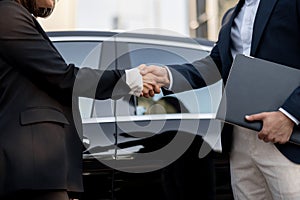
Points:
276	37
40	147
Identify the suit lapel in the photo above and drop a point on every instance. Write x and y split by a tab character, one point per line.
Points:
263	14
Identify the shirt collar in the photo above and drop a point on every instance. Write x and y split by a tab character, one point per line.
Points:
251	2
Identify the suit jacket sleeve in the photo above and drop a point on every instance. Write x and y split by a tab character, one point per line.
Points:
292	104
24	47
198	74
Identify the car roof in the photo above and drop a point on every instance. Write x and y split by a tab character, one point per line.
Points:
102	35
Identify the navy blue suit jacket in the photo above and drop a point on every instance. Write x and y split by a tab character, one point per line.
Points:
276	37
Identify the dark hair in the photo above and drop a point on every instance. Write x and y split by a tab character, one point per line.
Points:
31	6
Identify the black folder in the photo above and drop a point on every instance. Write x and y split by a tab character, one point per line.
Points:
253	86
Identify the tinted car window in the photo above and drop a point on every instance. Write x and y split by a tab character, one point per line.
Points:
86	54
77	52
204	100
147	53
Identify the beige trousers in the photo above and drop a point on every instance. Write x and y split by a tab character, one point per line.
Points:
259	171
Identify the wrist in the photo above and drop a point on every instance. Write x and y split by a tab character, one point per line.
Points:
288	115
167	77
286	118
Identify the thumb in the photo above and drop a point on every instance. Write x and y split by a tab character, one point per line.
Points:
141	67
146	70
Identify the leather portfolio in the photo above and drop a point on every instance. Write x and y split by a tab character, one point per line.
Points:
255	85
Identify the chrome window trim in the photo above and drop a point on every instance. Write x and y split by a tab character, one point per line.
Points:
164	43
133	40
183	116
77	38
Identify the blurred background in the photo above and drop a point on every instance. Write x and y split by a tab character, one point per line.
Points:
193	18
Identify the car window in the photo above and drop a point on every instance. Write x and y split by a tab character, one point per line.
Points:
89	54
146	53
86	54
76	52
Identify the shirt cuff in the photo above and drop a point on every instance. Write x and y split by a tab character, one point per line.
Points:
135	81
170	77
296	121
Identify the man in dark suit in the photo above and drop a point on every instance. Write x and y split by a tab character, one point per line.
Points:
40	148
263	165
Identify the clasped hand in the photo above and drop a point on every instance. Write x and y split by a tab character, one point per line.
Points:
154	78
277	128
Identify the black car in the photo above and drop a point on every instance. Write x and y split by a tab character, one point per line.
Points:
139	148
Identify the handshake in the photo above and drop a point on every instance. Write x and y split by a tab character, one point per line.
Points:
154	77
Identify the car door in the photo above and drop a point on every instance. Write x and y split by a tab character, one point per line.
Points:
153	133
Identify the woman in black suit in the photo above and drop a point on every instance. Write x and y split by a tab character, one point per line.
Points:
40	148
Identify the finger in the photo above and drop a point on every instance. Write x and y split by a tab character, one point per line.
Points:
151	93
266	140
148	86
146	95
150	80
149	69
142	66
146	90
156	89
262	135
255	117
155	80
274	140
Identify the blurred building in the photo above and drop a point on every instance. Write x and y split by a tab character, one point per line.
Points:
206	15
196	18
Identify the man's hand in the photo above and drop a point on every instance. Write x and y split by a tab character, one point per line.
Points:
277	127
154	77
149	90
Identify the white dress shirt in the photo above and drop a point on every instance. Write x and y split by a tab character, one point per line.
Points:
135	81
242	28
